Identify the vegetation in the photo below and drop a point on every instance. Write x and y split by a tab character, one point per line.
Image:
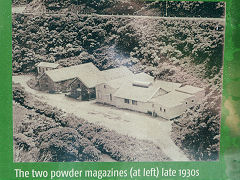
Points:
197	132
20	2
185	50
111	41
45	133
132	7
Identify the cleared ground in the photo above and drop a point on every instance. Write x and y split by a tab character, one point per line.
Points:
139	125
18	9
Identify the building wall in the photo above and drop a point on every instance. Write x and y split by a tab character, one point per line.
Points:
62	86
169	112
190	102
104	94
84	94
152	108
156	109
144	107
42	70
45	83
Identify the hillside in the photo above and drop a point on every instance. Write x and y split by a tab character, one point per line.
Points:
185	50
43	133
20	2
130	7
113	41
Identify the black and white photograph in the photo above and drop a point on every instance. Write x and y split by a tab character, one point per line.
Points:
117	80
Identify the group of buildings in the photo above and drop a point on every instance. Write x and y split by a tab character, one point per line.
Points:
120	87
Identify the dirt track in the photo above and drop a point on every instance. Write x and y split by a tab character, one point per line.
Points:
126	122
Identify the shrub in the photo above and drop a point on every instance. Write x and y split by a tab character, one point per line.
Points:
65	144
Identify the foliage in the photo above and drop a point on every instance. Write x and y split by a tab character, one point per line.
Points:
20	2
50	134
135	7
197	131
184	50
18	94
65	144
107	42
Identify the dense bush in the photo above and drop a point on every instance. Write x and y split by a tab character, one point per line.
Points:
46	140
21	2
197	132
134	7
65	144
64	137
110	41
125	148
19	94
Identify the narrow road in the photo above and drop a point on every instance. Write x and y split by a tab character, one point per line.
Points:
138	125
120	16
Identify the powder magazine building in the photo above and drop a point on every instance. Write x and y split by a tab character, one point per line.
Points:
121	88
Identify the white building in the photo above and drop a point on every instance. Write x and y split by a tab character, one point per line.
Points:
140	92
106	90
121	88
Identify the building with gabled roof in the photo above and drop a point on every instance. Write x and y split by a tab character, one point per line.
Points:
79	81
139	96
196	91
122	88
116	73
89	72
140	92
42	67
172	104
106	90
59	80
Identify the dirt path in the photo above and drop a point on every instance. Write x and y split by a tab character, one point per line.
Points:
126	122
37	13
18	9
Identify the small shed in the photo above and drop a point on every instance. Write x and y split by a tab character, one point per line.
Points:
42	67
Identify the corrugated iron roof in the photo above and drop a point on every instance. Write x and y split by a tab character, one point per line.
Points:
143	77
116	73
171	99
116	83
128	91
190	89
167	86
87	73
